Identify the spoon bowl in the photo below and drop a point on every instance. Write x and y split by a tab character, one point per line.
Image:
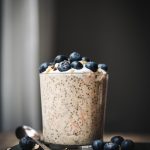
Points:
24	130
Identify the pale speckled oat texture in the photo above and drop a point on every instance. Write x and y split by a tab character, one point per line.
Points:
73	107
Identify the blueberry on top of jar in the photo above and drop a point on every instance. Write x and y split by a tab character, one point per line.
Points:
92	66
60	58
75	57
76	65
43	67
64	66
51	63
103	66
85	59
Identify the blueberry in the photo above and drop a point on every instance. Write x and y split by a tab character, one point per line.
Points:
76	65
111	146
97	145
103	66
20	132
51	63
75	57
27	143
127	145
85	59
117	139
43	67
92	66
60	58
64	66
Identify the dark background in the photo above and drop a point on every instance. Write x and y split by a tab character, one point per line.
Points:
113	32
118	34
0	54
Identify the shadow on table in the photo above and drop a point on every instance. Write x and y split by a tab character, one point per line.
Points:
142	146
138	146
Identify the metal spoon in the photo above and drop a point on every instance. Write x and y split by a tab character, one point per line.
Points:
24	130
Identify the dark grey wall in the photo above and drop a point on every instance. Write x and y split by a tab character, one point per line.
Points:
0	56
118	35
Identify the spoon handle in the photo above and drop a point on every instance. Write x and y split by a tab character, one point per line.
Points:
42	145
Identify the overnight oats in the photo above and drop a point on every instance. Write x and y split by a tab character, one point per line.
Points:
73	95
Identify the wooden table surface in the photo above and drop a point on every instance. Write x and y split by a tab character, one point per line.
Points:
142	141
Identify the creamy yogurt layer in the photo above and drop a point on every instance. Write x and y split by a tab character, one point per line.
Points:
72	70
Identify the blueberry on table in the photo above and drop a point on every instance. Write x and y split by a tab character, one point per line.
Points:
111	146
27	143
64	66
76	65
85	59
92	66
103	66
117	139
20	132
75	57
60	58
127	145
97	145
43	67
